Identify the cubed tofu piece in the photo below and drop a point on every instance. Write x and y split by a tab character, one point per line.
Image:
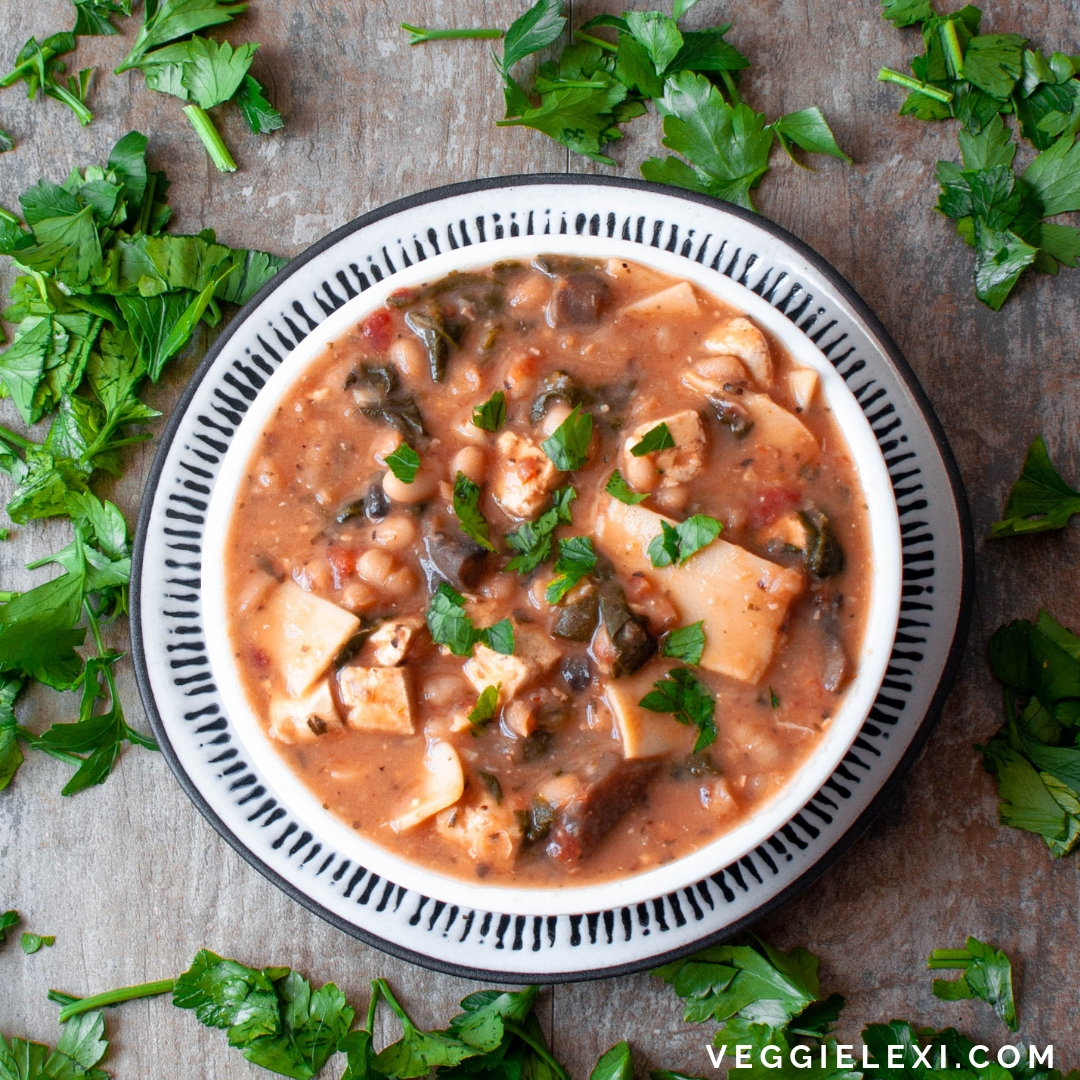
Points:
645	734
524	476
788	530
534	657
490	834
305	718
389	645
741	598
803	383
777	430
377	699
740	337
443	783
676	300
302	634
686	458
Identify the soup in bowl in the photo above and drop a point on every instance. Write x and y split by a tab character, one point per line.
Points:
567	571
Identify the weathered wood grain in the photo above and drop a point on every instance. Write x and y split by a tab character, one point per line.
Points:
129	876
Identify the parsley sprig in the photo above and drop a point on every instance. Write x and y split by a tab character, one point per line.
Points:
987	975
471	520
577	558
533	540
1039	500
688	700
677	543
450	626
976	79
583	97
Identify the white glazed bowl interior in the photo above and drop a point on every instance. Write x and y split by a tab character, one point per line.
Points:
567	898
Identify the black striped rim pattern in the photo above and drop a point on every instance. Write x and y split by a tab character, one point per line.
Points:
181	699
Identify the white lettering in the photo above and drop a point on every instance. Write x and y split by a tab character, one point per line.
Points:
979	1064
922	1055
844	1060
896	1057
824	1061
716	1059
944	1060
866	1062
1047	1058
1014	1050
742	1056
775	1061
803	1060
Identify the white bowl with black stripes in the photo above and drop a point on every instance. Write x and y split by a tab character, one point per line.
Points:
214	743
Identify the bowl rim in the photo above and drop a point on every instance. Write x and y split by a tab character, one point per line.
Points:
562	897
817	266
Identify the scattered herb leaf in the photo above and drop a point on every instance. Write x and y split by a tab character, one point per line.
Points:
689	702
487	705
659	438
466	501
685	643
618	488
1039	500
404	463
987	975
576	559
676	544
568	446
492	414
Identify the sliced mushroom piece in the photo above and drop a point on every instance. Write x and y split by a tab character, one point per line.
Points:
449	555
631	641
611	788
580	299
442	785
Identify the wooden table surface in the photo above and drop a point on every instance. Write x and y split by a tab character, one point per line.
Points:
129	876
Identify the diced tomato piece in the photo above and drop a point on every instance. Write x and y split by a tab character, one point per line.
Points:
259	660
771	502
342	563
376	329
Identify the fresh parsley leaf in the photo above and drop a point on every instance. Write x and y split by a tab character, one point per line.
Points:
213	71
483	1021
168	20
685	643
614	1064
657	34
92	16
32	943
260	115
987	975
492	414
536	29
727	146
809	130
417	1052
689	702
1054	176
1001	257
618	488
906	12
450	626
676	544
576	559
8	920
487	705
994	62
404	463
466	501
1039	500
659	438
227	994
533	540
568	446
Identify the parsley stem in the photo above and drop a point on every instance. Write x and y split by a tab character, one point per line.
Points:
538	1047
732	89
114	997
373	1006
60	93
952	50
418	34
935	92
27	67
147	208
8	216
16	440
582	36
215	146
37	744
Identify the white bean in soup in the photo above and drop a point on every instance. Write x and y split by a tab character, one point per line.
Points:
549	573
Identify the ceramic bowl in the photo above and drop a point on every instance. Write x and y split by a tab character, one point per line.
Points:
567	898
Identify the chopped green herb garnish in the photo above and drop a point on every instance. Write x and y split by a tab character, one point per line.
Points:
450	626
659	438
467	508
685	643
689	702
576	559
676	544
1039	500
487	705
618	488
568	447
31	943
492	414
404	463
774	701
987	975
533	540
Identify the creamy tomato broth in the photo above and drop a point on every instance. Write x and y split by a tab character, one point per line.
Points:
548	572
